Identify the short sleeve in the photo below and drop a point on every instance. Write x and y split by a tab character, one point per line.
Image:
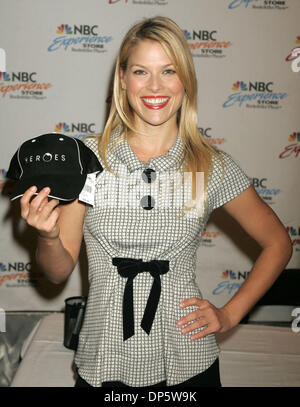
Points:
234	182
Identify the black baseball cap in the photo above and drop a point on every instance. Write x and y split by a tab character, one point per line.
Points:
53	160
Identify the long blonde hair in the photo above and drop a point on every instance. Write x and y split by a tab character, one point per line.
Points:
198	152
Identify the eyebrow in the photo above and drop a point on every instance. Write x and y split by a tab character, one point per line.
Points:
142	66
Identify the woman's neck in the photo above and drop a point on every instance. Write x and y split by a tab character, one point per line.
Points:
152	143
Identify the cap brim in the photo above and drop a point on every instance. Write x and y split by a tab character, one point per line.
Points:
62	187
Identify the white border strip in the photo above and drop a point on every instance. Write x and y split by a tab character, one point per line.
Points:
50	196
78	154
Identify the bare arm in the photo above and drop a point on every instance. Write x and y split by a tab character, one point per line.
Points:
59	233
263	225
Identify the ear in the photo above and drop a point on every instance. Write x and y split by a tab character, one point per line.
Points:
122	79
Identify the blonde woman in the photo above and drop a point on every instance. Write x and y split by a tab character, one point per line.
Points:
146	323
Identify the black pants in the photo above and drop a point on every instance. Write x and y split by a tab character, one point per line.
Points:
209	378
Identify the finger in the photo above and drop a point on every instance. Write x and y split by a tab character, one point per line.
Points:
209	326
36	202
191	327
207	314
46	208
206	331
191	301
53	218
43	203
24	201
204	304
46	223
50	226
188	318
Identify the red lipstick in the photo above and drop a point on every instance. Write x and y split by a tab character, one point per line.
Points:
155	102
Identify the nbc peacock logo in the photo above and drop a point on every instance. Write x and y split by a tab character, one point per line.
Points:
64	29
239	85
233	275
294	137
228	274
79	38
62	127
204	43
4	77
187	34
292	150
254	94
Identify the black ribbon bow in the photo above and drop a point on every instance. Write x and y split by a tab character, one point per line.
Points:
129	268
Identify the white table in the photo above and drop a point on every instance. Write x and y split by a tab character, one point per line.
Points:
251	355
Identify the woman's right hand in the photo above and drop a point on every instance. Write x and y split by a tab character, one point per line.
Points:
41	213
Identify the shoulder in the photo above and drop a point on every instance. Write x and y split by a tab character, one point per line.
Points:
221	157
227	179
224	165
92	142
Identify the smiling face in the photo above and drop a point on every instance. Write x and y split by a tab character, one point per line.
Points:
154	90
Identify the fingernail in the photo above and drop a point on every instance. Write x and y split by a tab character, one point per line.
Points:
33	189
181	305
47	190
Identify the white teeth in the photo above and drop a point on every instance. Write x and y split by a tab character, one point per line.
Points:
155	101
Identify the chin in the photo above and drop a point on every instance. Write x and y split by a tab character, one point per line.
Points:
156	123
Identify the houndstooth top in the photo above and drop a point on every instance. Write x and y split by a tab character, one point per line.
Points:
144	226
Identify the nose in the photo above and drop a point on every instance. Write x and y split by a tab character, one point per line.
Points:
154	83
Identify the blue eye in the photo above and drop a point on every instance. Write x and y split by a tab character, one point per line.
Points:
139	72
170	71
